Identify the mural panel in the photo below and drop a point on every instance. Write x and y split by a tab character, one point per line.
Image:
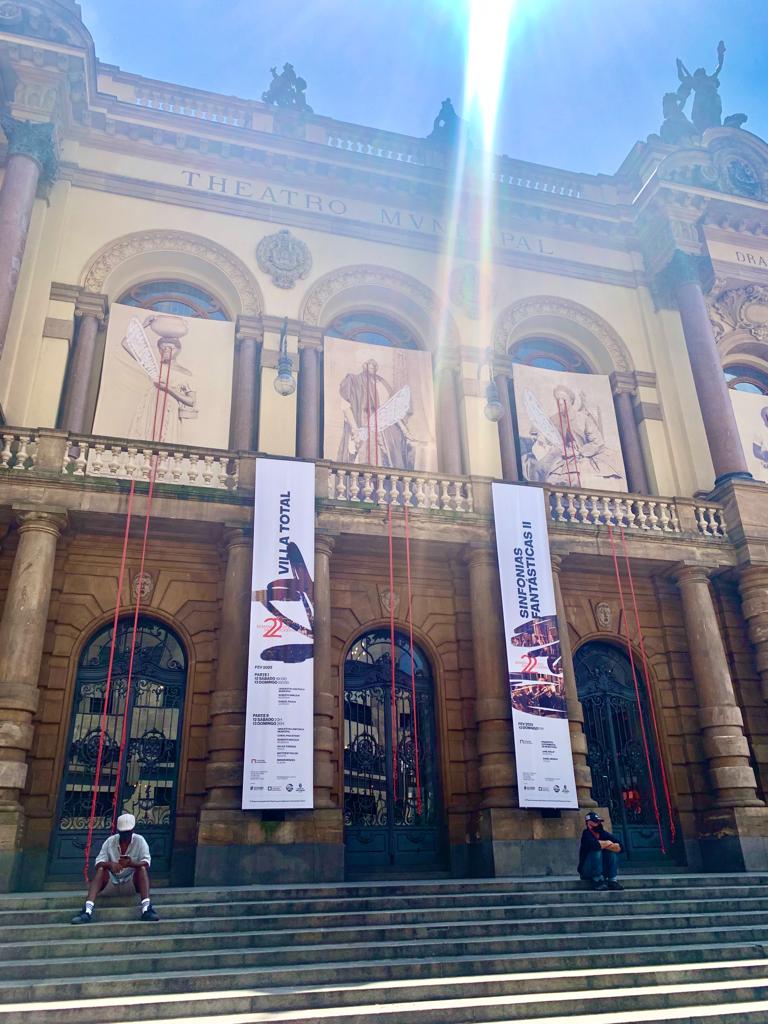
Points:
567	429
166	378
379	406
752	418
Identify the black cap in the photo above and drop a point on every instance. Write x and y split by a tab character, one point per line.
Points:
593	816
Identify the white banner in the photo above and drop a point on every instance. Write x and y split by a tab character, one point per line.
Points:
536	688
279	715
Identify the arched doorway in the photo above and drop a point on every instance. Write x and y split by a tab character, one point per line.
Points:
386	825
148	779
621	780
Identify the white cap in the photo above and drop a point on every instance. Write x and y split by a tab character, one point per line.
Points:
126	823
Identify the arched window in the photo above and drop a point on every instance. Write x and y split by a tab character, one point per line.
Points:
742	377
175	297
549	355
374	329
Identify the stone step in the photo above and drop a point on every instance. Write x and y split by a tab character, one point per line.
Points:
531	986
141	939
353	891
290	955
205	977
222	918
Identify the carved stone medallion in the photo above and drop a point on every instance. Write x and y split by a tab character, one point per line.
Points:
142	586
286	259
603	615
388	600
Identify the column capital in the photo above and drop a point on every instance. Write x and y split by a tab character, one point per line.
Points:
235	536
684	573
478	554
623	383
310	336
557	563
682	268
90	304
49	521
33	139
324	544
249	328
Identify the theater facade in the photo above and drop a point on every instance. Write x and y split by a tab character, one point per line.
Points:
297	287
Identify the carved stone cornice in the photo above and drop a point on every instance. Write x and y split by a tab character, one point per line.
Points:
41	521
249	328
34	139
65	292
623	383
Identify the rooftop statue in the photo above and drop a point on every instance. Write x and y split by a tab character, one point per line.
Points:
445	127
287	90
707	107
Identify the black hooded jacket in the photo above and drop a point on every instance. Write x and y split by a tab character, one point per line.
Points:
590	842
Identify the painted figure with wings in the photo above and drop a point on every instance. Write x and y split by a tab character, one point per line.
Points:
173	383
579	431
375	415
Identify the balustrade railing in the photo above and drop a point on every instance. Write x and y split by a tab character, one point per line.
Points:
190	467
710	520
630	512
19	451
394	487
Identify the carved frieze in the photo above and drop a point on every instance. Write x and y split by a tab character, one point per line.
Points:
739	309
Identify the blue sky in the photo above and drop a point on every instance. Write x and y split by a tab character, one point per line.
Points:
584	79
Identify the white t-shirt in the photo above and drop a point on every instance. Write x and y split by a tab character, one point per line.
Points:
138	851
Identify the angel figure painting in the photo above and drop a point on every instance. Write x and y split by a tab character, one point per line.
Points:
379	406
567	429
752	419
166	378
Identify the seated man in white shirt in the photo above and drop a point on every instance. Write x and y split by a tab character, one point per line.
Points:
123	865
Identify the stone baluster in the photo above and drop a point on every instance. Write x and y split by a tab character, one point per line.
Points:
624	389
22	633
581	769
325	741
448	422
31	162
507	430
244	417
714	401
753	584
495	743
725	746
308	438
90	313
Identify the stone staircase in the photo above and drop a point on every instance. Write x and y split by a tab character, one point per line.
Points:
669	948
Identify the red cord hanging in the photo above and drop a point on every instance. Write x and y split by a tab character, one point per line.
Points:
414	711
646	749
392	651
647	680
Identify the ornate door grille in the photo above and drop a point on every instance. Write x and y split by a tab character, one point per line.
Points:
616	755
147	783
384	825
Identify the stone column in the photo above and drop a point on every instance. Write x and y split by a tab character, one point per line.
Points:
324	686
624	388
495	742
725	746
507	431
226	733
308	441
581	769
31	159
90	311
715	403
753	584
448	421
22	632
244	417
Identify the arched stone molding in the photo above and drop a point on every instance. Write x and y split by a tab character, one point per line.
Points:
383	290
565	321
149	255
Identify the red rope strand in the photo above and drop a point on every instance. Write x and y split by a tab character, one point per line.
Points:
646	748
414	715
392	647
647	680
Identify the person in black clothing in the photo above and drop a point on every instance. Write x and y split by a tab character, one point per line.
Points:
598	855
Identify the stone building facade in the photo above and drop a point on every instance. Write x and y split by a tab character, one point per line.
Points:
118	188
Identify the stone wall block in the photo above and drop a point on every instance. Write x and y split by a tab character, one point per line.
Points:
713	717
13	774
727	745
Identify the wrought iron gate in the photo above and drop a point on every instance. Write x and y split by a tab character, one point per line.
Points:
620	777
147	783
386	826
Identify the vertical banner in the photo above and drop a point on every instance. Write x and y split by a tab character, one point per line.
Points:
536	688
279	713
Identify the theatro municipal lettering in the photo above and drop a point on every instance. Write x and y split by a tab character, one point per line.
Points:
385	216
